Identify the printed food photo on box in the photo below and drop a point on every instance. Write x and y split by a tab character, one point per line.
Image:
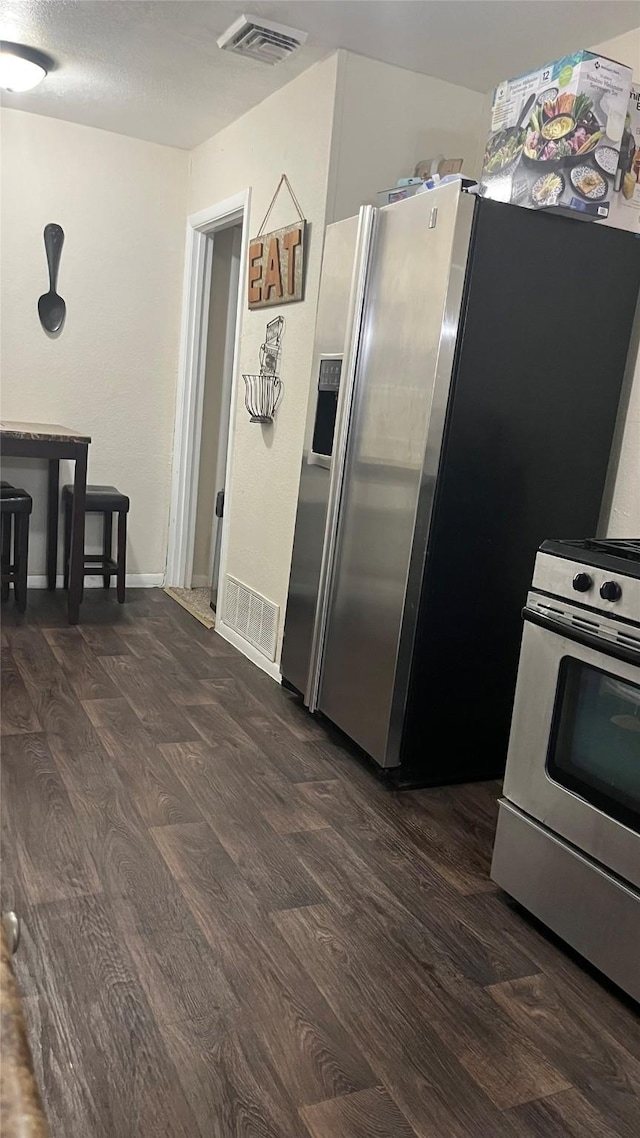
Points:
556	136
625	200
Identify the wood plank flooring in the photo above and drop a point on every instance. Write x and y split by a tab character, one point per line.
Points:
231	929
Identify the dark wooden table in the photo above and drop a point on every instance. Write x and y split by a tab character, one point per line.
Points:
53	442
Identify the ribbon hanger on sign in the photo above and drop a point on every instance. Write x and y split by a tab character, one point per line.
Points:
284	181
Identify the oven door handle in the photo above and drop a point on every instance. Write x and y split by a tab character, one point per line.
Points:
608	647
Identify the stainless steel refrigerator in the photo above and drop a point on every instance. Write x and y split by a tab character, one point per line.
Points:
468	365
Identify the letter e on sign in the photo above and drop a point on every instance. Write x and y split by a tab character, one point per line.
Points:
276	267
255	272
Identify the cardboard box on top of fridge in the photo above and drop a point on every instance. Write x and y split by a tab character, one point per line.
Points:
555	136
625	199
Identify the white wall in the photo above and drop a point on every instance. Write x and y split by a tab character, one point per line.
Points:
290	132
624	49
111	373
387	119
621	505
622	502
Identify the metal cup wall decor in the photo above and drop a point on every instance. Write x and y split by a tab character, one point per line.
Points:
263	392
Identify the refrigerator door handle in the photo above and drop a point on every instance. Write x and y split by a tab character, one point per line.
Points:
364	244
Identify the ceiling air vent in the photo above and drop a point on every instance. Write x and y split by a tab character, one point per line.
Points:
261	39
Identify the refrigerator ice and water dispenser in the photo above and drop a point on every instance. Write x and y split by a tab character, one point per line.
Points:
327	405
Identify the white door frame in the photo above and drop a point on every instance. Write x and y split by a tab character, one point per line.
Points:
191	376
235	279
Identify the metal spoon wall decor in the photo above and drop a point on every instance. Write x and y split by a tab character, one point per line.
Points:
51	307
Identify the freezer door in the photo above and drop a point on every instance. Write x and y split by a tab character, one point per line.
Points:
311	517
410	324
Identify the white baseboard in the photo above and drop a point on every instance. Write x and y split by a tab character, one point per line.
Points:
247	649
133	581
200	581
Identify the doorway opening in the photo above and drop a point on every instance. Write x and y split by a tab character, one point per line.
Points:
206	396
216	408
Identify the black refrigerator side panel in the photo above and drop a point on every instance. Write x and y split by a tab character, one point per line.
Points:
549	312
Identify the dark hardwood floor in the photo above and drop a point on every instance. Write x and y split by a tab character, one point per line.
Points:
231	929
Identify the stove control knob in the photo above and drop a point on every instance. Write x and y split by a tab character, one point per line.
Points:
610	591
582	582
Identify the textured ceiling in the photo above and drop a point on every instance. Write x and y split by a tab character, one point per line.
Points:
153	69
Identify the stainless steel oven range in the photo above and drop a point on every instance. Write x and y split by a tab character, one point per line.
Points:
568	838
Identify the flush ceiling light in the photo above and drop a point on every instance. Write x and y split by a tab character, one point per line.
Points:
22	68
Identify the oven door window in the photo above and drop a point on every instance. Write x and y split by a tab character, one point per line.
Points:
594	748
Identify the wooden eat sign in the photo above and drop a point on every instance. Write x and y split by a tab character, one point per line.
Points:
276	266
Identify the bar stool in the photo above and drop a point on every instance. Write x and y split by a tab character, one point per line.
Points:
5	486
5	524
15	509
105	500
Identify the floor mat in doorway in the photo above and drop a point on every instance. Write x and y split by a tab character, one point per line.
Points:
195	601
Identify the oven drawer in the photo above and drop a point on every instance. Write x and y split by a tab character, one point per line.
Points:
574	756
591	910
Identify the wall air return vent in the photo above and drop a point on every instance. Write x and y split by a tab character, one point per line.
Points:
261	39
253	616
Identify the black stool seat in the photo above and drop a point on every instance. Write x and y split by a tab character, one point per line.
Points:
14	500
101	499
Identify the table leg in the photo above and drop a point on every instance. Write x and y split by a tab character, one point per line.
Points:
53	509
76	568
107	545
6	552
122	556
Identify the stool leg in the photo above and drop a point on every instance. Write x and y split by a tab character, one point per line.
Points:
107	544
67	540
6	552
21	556
122	554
